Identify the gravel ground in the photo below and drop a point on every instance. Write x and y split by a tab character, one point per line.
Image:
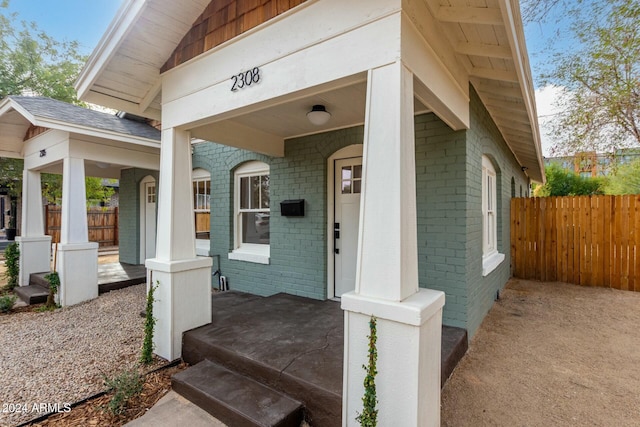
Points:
62	356
551	354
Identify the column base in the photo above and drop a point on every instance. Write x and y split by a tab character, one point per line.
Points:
182	301
408	345
35	256
78	270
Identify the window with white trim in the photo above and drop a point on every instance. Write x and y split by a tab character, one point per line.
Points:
491	258
202	202
252	213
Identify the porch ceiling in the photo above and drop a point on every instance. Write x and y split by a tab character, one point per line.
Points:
486	36
288	119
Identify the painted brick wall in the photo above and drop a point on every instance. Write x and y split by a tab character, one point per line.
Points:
298	245
483	137
129	221
442	214
449	200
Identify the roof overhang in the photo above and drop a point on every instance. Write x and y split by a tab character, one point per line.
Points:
488	40
15	121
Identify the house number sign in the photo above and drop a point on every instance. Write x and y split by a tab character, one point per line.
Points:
246	79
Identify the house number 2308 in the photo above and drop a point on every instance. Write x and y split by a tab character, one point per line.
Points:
242	80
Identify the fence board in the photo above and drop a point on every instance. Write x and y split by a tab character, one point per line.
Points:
102	224
586	240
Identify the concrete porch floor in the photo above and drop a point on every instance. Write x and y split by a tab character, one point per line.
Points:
291	344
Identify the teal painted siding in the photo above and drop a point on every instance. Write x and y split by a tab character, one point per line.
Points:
298	245
129	221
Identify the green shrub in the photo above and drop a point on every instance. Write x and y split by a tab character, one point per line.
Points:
12	264
6	303
123	386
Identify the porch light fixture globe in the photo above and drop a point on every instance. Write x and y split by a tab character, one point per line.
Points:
318	115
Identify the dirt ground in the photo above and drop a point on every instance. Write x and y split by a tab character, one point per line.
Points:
551	354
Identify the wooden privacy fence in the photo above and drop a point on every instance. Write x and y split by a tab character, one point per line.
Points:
103	224
586	240
203	225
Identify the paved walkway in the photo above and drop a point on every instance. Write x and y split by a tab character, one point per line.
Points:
174	410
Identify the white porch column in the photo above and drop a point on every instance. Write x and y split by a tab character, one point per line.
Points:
35	247
183	297
409	318
77	257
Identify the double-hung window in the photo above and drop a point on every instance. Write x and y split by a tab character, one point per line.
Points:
490	256
252	213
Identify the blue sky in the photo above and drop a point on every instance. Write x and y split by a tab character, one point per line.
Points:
81	20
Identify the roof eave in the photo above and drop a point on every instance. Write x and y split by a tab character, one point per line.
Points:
523	71
108	44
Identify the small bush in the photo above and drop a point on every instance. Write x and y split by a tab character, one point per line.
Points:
149	323
6	303
12	264
54	284
369	415
124	386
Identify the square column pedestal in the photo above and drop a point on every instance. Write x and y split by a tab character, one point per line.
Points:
78	270
408	345
35	257
182	301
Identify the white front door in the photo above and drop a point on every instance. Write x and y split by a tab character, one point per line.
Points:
348	180
150	219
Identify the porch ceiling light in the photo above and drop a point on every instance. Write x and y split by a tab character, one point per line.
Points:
102	165
318	115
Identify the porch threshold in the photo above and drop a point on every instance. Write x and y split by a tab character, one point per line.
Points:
291	344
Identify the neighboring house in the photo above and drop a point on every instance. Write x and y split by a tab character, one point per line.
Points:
592	164
55	137
365	150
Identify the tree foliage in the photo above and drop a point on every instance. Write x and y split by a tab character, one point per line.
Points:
602	80
561	182
540	10
626	179
33	63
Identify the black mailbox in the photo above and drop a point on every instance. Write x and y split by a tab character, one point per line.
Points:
292	207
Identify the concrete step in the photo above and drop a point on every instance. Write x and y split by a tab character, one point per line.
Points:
32	294
37	279
454	346
37	291
234	399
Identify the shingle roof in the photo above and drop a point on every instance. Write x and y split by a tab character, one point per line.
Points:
62	111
